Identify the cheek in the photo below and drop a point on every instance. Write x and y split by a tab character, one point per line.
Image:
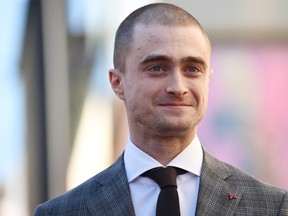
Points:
200	92
133	93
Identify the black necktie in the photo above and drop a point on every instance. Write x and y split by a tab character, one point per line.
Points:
168	200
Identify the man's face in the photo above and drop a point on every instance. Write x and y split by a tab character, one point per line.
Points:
165	84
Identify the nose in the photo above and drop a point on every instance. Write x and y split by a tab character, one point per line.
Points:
176	84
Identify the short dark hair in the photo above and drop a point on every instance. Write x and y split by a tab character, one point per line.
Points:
157	13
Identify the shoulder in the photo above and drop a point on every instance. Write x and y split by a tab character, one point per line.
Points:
258	194
64	202
254	191
74	201
237	177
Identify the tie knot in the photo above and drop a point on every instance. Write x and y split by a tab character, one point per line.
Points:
164	177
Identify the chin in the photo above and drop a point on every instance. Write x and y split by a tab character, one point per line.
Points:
174	129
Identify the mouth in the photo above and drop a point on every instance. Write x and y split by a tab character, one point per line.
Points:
175	105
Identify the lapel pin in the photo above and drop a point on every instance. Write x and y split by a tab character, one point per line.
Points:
232	196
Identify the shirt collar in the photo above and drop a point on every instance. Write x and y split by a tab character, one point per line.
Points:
137	162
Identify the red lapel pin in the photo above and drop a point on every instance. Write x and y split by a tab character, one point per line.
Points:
232	196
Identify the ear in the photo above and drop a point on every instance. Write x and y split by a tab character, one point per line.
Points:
210	73
116	79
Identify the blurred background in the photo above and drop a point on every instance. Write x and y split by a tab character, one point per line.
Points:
60	123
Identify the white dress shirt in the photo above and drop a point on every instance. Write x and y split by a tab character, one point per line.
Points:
145	191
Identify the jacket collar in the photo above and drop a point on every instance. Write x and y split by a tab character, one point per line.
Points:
216	194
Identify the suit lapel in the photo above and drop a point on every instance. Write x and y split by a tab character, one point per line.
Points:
110	193
216	196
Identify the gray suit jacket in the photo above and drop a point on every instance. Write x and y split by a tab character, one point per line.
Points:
224	190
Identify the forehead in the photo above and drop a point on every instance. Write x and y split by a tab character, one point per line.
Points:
174	41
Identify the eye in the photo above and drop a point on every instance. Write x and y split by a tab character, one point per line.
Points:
192	69
156	68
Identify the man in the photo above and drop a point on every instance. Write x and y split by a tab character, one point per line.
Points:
162	72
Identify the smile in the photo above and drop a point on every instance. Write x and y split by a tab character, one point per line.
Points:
175	104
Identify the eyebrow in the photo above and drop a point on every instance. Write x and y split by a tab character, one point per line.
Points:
153	58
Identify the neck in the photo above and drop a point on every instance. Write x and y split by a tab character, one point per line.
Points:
163	148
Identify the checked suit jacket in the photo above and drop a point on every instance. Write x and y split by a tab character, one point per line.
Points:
224	190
